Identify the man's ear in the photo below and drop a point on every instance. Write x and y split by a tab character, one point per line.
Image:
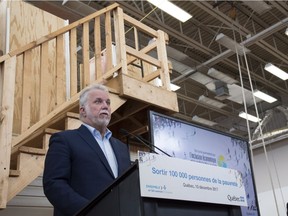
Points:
82	111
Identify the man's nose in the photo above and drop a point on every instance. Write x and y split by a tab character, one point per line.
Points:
105	104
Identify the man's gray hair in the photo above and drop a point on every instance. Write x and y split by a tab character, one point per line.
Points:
85	91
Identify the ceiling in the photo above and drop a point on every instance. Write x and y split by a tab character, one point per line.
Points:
196	53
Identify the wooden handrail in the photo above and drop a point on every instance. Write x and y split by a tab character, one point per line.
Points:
56	33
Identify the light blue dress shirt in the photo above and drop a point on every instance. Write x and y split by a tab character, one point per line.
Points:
106	147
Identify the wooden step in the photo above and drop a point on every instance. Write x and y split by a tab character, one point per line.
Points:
32	150
14	173
72	121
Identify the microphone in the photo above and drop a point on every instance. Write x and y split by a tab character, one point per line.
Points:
143	141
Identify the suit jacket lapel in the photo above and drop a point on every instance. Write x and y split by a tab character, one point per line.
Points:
86	135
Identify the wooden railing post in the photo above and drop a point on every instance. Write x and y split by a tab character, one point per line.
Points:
120	40
162	56
7	87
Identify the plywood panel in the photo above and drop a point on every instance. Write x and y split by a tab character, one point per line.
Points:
148	93
7	74
28	24
3	6
25	27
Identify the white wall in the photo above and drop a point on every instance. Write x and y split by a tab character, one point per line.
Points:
277	154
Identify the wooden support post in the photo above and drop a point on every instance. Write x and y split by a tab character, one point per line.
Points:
162	56
119	32
7	80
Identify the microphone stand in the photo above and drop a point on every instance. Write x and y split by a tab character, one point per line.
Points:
144	142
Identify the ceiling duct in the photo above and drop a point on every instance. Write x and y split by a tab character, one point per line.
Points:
221	90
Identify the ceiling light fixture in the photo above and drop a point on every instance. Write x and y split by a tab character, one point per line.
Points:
249	117
171	9
211	102
198	119
286	32
221	76
64	2
231	44
276	71
264	96
158	83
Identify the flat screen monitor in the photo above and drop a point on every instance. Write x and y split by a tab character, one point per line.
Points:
195	143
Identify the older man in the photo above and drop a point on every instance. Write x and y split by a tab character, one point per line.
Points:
81	163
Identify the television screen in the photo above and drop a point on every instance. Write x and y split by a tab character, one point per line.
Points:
191	142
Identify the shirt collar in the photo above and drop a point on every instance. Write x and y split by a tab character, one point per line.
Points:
96	133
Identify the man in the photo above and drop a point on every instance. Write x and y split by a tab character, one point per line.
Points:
81	163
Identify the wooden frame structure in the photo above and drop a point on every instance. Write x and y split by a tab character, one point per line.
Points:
40	84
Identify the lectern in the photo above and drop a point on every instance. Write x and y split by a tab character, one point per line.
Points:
123	198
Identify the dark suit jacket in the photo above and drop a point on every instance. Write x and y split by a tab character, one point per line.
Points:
76	169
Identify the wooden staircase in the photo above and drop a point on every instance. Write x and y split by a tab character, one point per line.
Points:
47	107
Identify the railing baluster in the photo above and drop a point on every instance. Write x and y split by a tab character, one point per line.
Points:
26	90
60	70
73	61
97	46
44	81
85	53
108	41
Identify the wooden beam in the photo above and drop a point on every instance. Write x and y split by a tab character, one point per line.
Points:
26	91
140	26
143	56
120	33
97	47
7	88
148	93
73	62
44	84
85	53
60	70
162	56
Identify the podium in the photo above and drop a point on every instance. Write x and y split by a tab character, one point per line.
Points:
123	198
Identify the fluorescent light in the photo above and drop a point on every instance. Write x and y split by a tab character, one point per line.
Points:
171	9
286	32
157	81
64	2
276	71
211	102
203	121
249	117
174	87
221	76
264	96
231	44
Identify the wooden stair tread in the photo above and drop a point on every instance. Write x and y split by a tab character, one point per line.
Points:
51	131
32	150
14	173
72	115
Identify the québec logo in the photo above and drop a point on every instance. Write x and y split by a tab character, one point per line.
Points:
235	198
